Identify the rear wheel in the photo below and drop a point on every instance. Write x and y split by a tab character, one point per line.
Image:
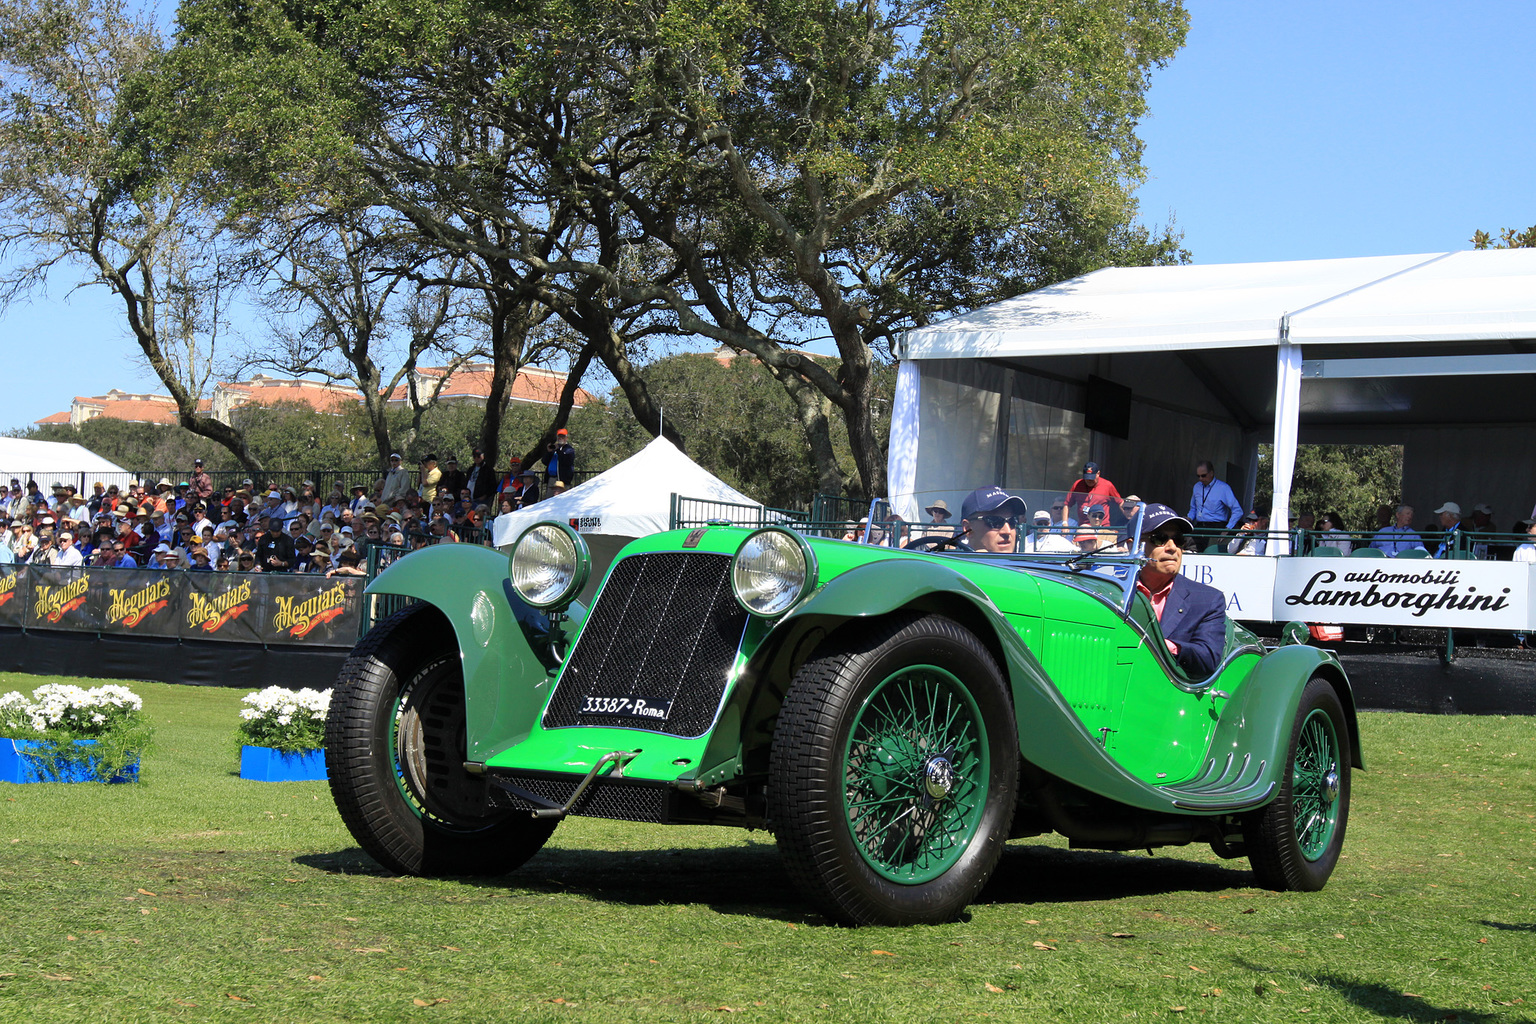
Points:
894	772
394	752
1294	842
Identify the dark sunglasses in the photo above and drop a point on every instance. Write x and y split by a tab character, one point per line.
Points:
998	522
1159	539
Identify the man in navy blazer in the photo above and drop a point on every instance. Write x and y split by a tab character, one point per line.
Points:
1192	616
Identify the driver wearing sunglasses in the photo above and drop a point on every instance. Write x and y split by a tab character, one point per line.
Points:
989	520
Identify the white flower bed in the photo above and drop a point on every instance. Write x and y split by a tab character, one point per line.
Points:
289	720
72	710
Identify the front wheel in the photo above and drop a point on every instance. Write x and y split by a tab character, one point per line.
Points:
894	772
1294	842
394	754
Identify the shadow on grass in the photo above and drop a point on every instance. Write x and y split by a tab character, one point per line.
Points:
1394	1005
1506	927
1036	874
744	880
750	880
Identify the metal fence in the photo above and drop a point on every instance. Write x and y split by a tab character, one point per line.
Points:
323	479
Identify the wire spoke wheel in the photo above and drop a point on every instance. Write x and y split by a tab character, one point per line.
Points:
894	772
1315	785
915	774
1294	842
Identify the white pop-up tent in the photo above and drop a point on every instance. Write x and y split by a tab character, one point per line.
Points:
50	462
1148	369
633	499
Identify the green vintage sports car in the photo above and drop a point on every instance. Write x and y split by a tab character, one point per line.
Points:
892	716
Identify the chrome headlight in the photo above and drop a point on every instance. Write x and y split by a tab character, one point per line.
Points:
549	565
774	568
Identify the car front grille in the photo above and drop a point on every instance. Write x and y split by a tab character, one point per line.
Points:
665	629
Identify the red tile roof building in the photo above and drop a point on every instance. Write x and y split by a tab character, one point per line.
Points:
470	383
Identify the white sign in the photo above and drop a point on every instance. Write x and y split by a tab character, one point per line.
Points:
1403	592
1248	581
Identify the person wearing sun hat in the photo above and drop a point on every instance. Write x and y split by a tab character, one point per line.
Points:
1192	616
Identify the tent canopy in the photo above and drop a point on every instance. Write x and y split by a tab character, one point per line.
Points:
1456	297
633	499
1433	351
50	462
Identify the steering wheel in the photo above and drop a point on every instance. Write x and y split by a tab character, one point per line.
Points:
931	542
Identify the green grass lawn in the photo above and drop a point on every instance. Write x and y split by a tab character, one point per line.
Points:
193	895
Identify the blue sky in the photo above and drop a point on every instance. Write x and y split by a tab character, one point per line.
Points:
1282	131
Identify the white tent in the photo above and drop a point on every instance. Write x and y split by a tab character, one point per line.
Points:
49	462
1437	351
633	499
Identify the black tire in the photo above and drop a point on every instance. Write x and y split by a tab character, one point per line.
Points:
1294	842
394	754
839	764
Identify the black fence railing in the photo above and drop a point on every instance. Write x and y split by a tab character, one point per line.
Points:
323	479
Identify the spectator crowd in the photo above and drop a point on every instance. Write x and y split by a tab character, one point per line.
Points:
191	525
1092	516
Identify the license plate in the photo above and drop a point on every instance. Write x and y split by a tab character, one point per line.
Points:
627	707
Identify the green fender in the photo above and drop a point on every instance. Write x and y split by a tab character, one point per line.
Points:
1050	734
505	682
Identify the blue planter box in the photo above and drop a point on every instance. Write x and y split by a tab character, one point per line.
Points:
22	761
264	764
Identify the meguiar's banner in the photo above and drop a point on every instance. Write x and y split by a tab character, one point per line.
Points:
312	610
138	602
63	598
222	606
13	596
278	609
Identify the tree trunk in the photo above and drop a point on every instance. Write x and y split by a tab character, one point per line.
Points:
563	410
596	325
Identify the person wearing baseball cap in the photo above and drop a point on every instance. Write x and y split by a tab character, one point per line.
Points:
1044	540
560	458
1450	522
989	520
1092	488
1192	616
397	481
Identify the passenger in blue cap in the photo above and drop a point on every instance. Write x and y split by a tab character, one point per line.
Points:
1193	616
989	520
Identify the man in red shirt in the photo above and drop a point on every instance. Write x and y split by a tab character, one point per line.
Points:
1090	489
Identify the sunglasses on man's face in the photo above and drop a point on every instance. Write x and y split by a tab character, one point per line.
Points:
998	522
1158	539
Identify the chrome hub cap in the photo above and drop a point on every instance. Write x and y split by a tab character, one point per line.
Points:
938	777
1331	787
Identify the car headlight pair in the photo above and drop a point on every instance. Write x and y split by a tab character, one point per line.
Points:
773	569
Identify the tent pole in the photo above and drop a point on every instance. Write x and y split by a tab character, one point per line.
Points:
1287	417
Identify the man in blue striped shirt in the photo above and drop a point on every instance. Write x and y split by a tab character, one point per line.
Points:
1401	536
1213	505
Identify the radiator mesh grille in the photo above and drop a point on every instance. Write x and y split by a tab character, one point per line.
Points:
665	628
605	798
